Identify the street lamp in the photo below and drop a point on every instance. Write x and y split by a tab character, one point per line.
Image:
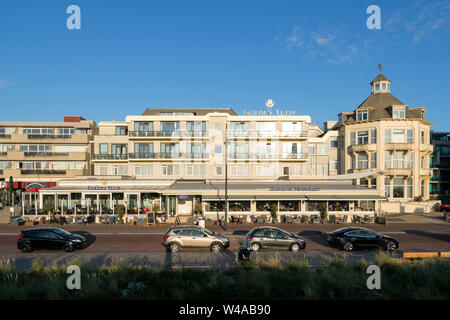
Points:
226	177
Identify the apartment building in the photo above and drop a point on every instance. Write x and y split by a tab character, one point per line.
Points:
440	182
385	135
37	154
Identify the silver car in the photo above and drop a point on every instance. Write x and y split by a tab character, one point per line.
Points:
180	237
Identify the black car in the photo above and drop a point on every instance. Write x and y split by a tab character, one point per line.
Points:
274	238
49	239
350	238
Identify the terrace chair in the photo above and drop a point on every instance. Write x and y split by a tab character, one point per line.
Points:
290	219
253	219
283	218
332	219
314	218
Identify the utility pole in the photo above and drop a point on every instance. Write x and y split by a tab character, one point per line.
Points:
226	177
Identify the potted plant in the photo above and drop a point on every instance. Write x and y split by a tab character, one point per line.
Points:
323	212
273	212
120	213
198	209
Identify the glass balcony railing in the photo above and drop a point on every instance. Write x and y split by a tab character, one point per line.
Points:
176	133
256	134
110	157
173	155
267	156
42	172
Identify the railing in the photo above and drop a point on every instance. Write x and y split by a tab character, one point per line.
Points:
110	157
5	136
49	136
176	133
267	156
3	153
44	172
266	134
168	155
46	154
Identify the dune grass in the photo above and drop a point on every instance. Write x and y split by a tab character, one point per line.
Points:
256	279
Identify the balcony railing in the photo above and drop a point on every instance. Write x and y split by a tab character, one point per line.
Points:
267	156
49	136
174	155
46	154
177	134
3	153
5	136
43	172
267	134
110	157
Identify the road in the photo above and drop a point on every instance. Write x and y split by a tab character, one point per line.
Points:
142	245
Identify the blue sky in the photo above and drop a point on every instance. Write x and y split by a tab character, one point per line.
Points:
316	57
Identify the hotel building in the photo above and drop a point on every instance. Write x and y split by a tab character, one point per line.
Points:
440	182
386	135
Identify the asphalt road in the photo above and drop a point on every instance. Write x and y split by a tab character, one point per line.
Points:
142	245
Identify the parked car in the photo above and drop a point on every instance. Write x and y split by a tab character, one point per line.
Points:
274	238
180	237
349	239
445	207
49	239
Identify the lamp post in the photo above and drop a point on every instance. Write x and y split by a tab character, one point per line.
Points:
226	177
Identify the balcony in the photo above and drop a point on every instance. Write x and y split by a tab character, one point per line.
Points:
42	172
426	148
110	157
48	136
5	136
168	134
266	134
362	148
267	156
399	147
169	156
46	154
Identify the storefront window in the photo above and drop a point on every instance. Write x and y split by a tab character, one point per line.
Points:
239	206
289	206
265	205
315	205
215	206
338	205
399	188
48	201
364	205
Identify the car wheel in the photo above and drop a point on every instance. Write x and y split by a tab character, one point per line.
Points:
174	247
255	246
348	246
391	246
216	247
25	247
68	247
294	247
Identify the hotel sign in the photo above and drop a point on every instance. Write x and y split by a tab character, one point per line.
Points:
269	112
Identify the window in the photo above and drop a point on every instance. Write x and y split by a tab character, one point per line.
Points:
399	160
409	187
352	138
266	170
170	169
103	148
266	129
387	160
312	149
422	162
365	205
373	136
218	171
44	131
69	148
121	131
239	206
363	161
103	170
398	136
196	127
387	136
333	143
294	170
315	205
352	162
121	149
398	112
362	115
292	128
409	137
312	169
143	170
422	137
143	126
218	127
6	147
333	165
373	160
195	170
409	160
387	187
240	170
422	114
321	149
363	137
218	149
399	187
322	169
143	148
120	170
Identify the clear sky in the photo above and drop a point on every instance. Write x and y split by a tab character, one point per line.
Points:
316	57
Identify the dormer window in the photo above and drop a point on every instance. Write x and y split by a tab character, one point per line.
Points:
422	114
362	115
398	112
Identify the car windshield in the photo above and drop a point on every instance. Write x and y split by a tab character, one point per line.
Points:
62	232
209	232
